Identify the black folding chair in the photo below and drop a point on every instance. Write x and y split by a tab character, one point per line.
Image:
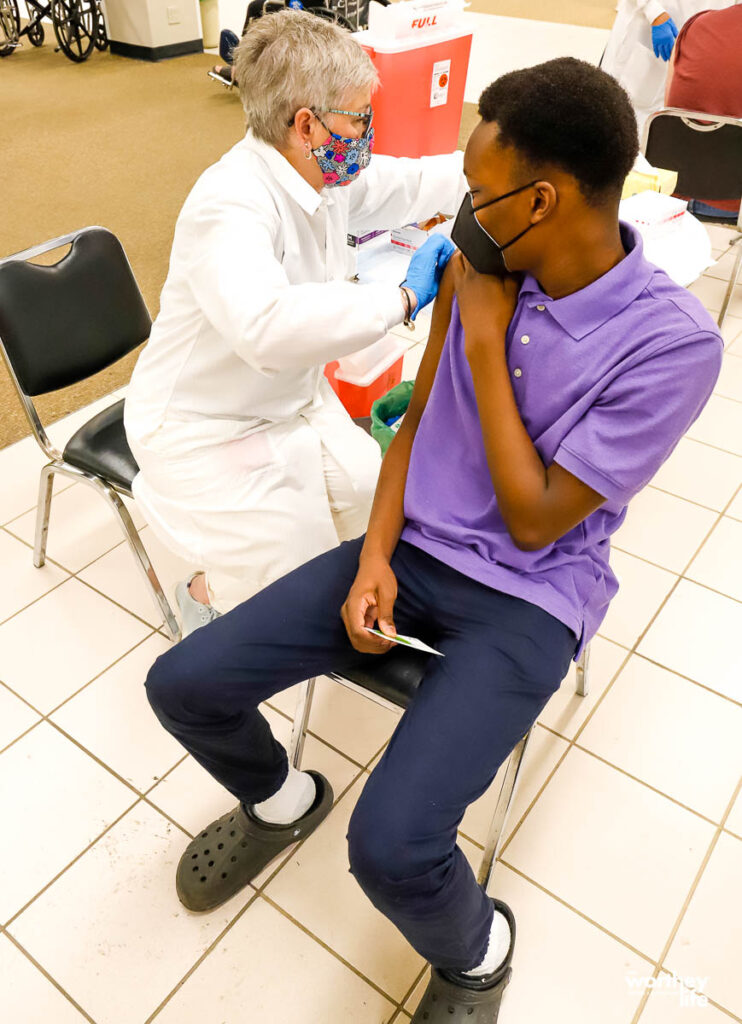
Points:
706	151
59	325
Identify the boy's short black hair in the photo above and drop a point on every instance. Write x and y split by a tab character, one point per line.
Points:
571	114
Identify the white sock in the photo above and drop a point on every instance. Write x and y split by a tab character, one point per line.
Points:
294	797
497	949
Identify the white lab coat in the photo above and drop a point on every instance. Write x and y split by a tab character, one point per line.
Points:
629	56
249	465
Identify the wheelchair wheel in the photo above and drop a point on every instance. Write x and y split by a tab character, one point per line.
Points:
10	26
75	26
101	36
36	34
327	14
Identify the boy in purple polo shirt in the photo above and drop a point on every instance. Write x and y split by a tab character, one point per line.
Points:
561	370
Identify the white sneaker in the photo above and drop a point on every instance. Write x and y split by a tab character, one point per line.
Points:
194	613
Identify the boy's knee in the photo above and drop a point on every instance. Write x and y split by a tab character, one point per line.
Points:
376	852
165	682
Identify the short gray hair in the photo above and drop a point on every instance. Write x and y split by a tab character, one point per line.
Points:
293	59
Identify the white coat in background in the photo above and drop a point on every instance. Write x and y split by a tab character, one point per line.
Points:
249	464
629	56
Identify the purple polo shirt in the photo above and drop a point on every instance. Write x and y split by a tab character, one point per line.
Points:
607	380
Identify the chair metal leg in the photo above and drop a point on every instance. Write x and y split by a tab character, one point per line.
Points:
301	721
501	810
46	486
730	287
582	676
142	558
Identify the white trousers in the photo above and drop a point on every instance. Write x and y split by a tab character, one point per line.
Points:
246	510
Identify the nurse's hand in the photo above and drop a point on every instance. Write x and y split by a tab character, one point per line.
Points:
426	269
664	34
370	601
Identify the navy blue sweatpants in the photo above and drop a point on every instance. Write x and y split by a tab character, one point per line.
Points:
504	658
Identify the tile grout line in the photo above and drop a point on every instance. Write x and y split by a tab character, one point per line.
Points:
347	963
316	736
689	679
665	668
49	977
46	717
403	1001
209	949
570	742
647	785
74	575
580	913
688	899
720	515
66	868
681	497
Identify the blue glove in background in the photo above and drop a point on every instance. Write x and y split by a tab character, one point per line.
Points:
426	269
663	38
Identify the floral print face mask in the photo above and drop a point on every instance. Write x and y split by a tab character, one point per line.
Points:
342	160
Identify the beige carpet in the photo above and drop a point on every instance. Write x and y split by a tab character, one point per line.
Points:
119	143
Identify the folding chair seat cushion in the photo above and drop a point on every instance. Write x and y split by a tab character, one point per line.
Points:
100	447
395	676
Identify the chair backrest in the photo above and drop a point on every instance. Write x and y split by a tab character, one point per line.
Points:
60	324
705	150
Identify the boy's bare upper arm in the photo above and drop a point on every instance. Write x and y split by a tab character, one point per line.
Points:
433	348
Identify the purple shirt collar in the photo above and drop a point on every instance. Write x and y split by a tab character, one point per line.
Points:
589	308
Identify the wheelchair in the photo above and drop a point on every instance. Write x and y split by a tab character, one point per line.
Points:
79	26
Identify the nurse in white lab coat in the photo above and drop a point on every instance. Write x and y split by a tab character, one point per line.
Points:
630	53
249	464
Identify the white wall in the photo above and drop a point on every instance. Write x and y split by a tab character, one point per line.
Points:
232	14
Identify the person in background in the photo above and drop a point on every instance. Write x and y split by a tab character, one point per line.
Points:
561	371
641	43
705	74
248	463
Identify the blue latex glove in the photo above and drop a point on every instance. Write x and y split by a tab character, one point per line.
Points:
426	269
663	38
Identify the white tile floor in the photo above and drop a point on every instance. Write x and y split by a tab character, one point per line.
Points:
622	853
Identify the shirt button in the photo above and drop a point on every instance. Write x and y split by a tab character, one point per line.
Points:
540	308
517	372
525	339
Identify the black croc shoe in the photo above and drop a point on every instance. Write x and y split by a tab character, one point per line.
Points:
452	998
230	852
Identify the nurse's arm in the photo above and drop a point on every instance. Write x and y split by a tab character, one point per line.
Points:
651	9
372	596
670	73
394	191
243	290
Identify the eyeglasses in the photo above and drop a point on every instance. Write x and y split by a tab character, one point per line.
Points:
363	115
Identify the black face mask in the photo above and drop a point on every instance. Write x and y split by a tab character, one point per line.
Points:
479	247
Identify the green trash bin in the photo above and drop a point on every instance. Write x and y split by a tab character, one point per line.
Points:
393	403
